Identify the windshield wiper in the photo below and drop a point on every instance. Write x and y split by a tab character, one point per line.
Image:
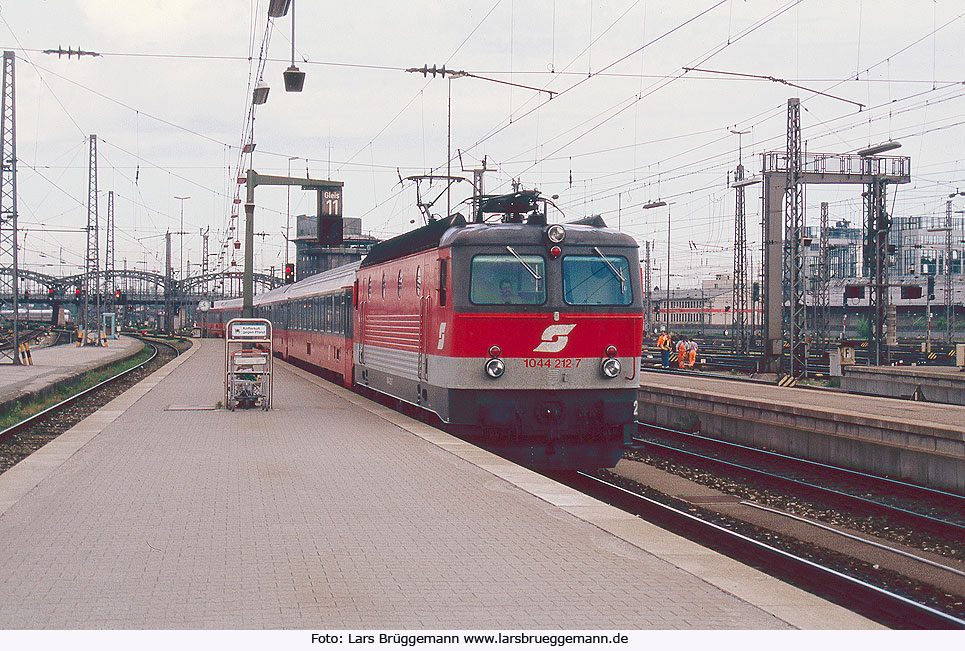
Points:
615	271
523	262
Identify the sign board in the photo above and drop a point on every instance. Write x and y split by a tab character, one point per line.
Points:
255	330
329	215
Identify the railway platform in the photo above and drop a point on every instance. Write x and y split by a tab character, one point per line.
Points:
55	364
919	441
330	511
942	384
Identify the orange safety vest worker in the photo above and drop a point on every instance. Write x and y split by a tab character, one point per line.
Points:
663	343
691	353
681	353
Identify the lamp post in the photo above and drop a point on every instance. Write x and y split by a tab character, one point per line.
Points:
658	204
949	306
877	229
874	150
181	248
288	216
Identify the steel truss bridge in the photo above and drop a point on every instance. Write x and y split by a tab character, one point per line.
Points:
140	292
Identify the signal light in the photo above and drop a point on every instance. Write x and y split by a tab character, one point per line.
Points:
289	273
931	288
117	293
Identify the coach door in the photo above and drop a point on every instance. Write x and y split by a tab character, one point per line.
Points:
362	294
287	307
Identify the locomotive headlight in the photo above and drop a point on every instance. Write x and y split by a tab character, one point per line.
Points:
611	367
556	233
495	368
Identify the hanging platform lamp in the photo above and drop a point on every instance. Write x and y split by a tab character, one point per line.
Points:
260	94
294	79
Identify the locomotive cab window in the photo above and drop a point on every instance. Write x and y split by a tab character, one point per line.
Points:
508	280
596	280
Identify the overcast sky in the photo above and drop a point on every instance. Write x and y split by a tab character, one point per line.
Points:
168	100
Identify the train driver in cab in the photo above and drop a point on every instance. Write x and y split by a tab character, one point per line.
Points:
507	295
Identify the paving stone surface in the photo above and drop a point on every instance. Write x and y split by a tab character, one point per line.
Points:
316	514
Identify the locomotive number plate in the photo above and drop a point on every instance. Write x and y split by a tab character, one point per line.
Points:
561	362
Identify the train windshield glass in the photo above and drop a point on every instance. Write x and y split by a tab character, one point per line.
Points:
508	280
596	280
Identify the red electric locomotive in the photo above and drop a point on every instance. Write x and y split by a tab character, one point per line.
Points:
521	336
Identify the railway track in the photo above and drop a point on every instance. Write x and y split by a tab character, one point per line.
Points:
33	432
885	606
922	509
719	357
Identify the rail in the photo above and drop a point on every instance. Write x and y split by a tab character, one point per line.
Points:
876	603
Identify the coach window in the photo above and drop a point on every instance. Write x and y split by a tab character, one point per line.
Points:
596	280
400	283
370	286
508	280
418	281
383	285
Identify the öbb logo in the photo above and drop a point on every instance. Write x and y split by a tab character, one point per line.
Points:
554	338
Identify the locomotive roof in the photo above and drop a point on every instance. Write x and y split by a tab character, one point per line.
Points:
455	231
421	239
522	234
